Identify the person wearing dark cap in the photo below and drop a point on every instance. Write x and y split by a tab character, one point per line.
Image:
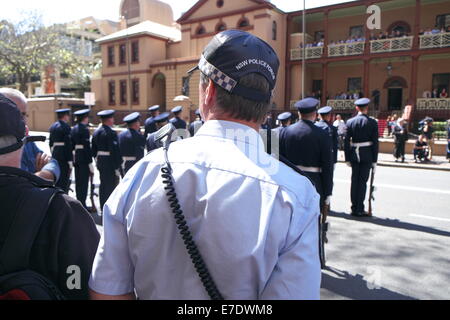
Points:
131	142
325	124
81	141
254	219
361	153
285	120
176	120
150	125
309	148
42	229
160	121
197	124
61	147
105	149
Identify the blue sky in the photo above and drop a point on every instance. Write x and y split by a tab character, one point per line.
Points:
56	11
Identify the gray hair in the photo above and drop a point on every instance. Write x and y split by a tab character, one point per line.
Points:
239	107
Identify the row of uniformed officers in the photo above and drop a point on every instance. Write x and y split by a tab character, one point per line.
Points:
114	154
310	145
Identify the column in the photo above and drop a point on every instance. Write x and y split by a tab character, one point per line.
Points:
287	90
417	26
324	83
414	78
326	35
366	78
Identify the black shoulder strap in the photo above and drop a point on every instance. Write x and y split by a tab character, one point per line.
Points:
14	255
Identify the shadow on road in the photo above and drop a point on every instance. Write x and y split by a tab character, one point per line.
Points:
355	287
391	223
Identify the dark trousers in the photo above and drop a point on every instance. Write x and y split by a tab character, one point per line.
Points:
360	176
399	149
64	179
108	182
82	173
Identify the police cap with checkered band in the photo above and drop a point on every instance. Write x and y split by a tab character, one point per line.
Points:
233	54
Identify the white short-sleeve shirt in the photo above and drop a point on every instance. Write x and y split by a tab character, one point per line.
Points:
254	220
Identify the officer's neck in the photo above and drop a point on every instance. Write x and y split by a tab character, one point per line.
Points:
254	125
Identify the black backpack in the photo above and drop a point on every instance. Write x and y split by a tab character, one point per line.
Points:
17	282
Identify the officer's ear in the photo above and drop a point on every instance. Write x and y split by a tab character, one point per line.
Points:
210	93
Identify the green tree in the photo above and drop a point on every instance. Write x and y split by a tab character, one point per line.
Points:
27	47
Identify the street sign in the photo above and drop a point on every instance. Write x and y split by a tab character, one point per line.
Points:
89	98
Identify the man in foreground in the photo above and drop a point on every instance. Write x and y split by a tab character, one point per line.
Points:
255	220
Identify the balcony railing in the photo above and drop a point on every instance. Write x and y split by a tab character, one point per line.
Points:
391	45
440	40
346	49
433	104
342	105
311	53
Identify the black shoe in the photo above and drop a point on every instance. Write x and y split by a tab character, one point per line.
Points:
364	214
357	214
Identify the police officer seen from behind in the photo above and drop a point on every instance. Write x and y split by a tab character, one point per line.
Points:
160	122
325	124
131	142
285	120
256	228
197	124
65	235
82	155
177	121
61	147
150	125
105	148
361	153
309	148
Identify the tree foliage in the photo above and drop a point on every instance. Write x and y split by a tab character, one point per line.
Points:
27	47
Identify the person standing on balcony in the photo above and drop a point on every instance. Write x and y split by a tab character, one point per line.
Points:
444	94
435	94
436	30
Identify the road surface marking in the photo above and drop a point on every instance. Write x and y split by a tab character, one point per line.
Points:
428	217
393	186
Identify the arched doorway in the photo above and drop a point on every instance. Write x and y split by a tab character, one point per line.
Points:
395	87
401	26
158	90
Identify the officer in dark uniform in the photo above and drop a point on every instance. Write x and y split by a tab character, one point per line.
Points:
309	148
361	153
82	155
197	124
105	148
285	120
177	121
325	124
131	142
150	125
161	121
61	147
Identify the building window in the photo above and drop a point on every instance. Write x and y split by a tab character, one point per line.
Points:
441	81
220	3
354	85
443	21
112	92
123	54
111	57
243	23
135	52
274	31
200	30
318	36
123	92
135	91
356	32
221	27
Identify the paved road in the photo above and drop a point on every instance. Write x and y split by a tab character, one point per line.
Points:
403	251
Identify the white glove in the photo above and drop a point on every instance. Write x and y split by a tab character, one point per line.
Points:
348	164
70	165
118	173
328	200
374	167
91	168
